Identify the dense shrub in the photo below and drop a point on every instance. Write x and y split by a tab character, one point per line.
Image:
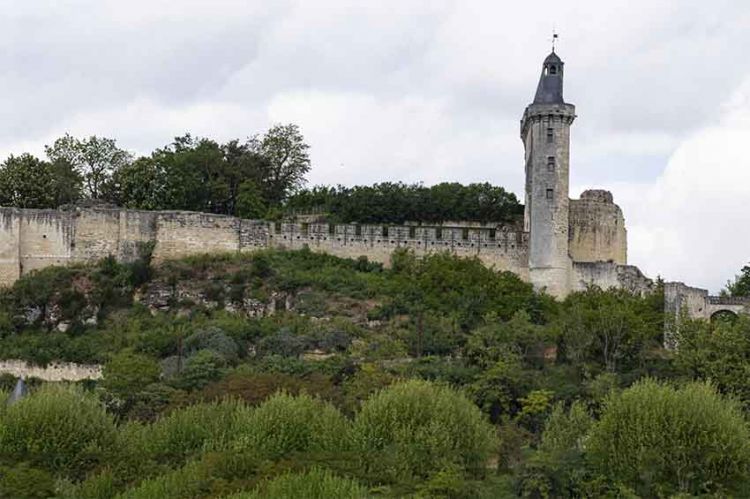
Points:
58	428
662	440
213	475
315	484
185	432
425	427
286	423
25	482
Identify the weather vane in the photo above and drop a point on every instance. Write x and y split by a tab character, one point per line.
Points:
555	36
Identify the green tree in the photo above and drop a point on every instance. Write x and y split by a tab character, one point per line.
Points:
142	184
741	284
661	440
284	147
416	428
28	182
250	202
613	327
558	468
719	352
94	158
286	423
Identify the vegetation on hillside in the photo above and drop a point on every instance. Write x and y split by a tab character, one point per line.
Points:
296	374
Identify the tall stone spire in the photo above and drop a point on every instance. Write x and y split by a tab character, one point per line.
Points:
550	88
545	132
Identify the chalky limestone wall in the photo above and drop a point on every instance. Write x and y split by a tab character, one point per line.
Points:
61	371
597	229
33	239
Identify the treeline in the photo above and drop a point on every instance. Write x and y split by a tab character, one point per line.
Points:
244	179
262	177
397	203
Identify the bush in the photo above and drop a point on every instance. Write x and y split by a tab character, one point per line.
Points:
128	373
426	427
185	432
214	475
285	423
58	428
25	482
201	368
662	440
314	484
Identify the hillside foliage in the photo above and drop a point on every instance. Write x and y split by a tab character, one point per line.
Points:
298	374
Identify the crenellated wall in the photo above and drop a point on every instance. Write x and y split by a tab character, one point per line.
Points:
33	239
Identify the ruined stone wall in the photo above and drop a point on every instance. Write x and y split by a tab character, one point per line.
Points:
59	371
608	275
33	239
597	229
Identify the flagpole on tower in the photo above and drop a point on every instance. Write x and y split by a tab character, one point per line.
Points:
555	36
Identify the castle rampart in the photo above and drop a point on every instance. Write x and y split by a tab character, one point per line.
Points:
33	239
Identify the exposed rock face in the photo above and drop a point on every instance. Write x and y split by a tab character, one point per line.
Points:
159	296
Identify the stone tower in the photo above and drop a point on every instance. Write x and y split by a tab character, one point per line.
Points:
545	131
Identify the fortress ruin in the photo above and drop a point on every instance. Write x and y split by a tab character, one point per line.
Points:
565	245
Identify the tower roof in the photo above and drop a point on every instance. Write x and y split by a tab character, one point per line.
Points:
553	57
550	88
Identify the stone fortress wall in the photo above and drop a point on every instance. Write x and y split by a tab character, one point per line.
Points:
33	239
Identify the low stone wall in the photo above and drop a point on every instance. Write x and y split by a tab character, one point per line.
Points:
63	371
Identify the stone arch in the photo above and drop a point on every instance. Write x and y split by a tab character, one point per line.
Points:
723	314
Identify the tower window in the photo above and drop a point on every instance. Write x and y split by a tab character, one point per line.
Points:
550	163
553	70
550	193
550	135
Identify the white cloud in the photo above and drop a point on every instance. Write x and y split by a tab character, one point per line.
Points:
693	223
412	90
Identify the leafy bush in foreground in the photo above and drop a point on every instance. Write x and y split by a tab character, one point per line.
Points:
662	440
287	423
315	484
186	432
427	427
59	428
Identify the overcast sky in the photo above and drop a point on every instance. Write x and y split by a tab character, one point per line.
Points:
425	91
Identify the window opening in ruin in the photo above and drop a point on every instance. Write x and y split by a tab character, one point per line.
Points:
412	232
550	163
357	230
439	233
550	135
493	233
550	193
385	231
